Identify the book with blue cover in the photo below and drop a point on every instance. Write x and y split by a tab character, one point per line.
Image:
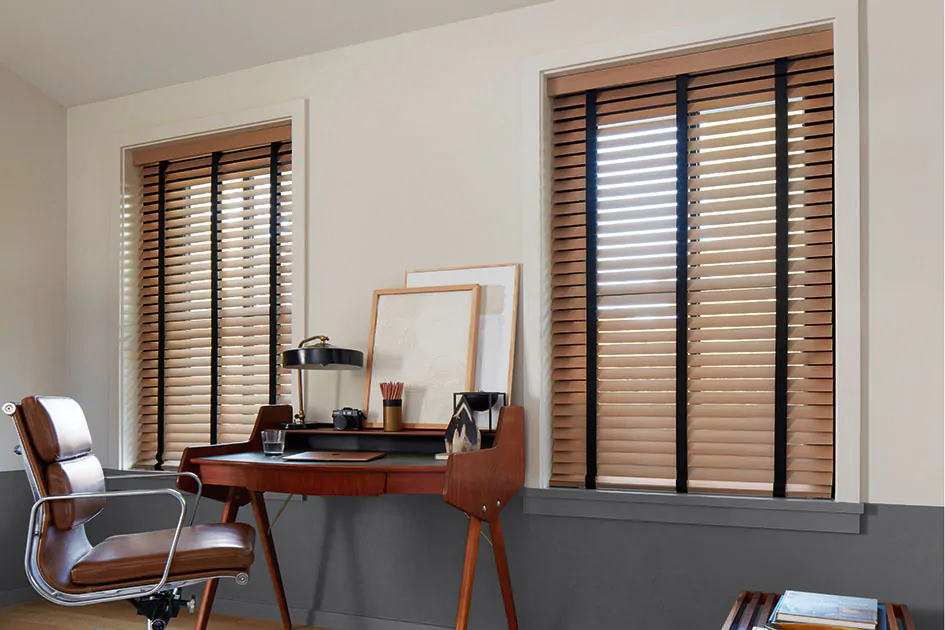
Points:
881	623
798	611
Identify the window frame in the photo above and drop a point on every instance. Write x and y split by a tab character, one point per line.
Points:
187	184
611	106
536	220
123	450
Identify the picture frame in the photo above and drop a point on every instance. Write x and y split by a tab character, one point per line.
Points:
427	338
498	320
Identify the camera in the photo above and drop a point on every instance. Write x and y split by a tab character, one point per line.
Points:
347	419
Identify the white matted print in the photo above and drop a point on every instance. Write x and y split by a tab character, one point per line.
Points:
497	318
427	339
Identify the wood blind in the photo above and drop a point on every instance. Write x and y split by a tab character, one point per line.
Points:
692	281
214	296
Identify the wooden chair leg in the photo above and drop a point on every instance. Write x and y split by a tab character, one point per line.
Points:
502	565
230	509
265	537
469	572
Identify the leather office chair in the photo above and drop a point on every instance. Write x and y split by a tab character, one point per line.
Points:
148	568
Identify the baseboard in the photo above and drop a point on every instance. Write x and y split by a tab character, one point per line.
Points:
335	621
17	596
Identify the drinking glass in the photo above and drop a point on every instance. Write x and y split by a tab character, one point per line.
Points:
273	442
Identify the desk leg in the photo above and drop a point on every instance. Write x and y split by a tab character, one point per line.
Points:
469	572
265	537
502	564
230	510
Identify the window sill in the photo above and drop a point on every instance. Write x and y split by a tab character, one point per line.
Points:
696	509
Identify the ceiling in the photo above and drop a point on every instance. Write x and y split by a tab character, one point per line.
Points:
81	51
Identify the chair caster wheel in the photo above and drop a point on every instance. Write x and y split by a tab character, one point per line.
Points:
192	605
158	625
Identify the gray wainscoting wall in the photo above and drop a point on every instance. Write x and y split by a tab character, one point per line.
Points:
16	515
394	563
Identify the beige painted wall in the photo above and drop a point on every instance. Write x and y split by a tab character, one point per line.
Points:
32	248
415	146
904	225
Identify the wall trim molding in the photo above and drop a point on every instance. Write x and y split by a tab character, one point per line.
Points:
338	621
695	509
536	230
122	453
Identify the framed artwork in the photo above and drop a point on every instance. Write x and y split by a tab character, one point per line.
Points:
498	314
426	338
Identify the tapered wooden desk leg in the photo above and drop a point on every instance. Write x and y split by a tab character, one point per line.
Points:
230	509
469	572
502	564
265	536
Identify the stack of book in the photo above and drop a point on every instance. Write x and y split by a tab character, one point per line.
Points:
813	611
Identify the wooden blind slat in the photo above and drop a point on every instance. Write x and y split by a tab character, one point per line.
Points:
702	61
181	150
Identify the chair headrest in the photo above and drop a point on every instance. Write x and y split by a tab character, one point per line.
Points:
57	427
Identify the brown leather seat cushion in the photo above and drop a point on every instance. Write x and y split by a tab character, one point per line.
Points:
202	548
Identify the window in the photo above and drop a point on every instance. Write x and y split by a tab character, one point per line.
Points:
692	272
208	262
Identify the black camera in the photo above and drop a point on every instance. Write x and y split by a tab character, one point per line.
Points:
347	419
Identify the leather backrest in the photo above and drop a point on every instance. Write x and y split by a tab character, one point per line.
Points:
82	474
57	427
59	436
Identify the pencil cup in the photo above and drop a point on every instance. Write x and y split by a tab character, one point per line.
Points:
393	414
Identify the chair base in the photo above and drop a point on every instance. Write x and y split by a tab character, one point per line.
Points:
162	607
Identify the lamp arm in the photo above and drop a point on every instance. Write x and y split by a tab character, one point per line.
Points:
322	340
300	414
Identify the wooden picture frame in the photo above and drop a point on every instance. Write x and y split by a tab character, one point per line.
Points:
497	330
409	327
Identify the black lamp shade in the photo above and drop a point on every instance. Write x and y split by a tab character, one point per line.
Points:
322	357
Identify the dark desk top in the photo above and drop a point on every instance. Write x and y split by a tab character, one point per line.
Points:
416	461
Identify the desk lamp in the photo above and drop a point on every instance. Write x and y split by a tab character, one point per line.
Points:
318	356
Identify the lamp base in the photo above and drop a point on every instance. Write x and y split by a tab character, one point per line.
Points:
307	425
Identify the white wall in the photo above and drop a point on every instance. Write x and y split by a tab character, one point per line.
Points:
32	248
904	274
415	149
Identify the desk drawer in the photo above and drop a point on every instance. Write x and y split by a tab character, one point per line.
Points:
415	482
289	481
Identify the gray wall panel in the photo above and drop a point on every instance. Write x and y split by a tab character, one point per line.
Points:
17	500
376	563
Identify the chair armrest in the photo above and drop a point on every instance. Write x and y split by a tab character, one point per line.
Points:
178	474
35	531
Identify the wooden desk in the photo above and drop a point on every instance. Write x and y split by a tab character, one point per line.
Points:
479	483
395	473
753	608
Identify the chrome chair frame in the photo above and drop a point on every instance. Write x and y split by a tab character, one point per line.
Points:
96	597
163	586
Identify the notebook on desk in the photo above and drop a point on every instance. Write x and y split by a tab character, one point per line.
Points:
333	456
